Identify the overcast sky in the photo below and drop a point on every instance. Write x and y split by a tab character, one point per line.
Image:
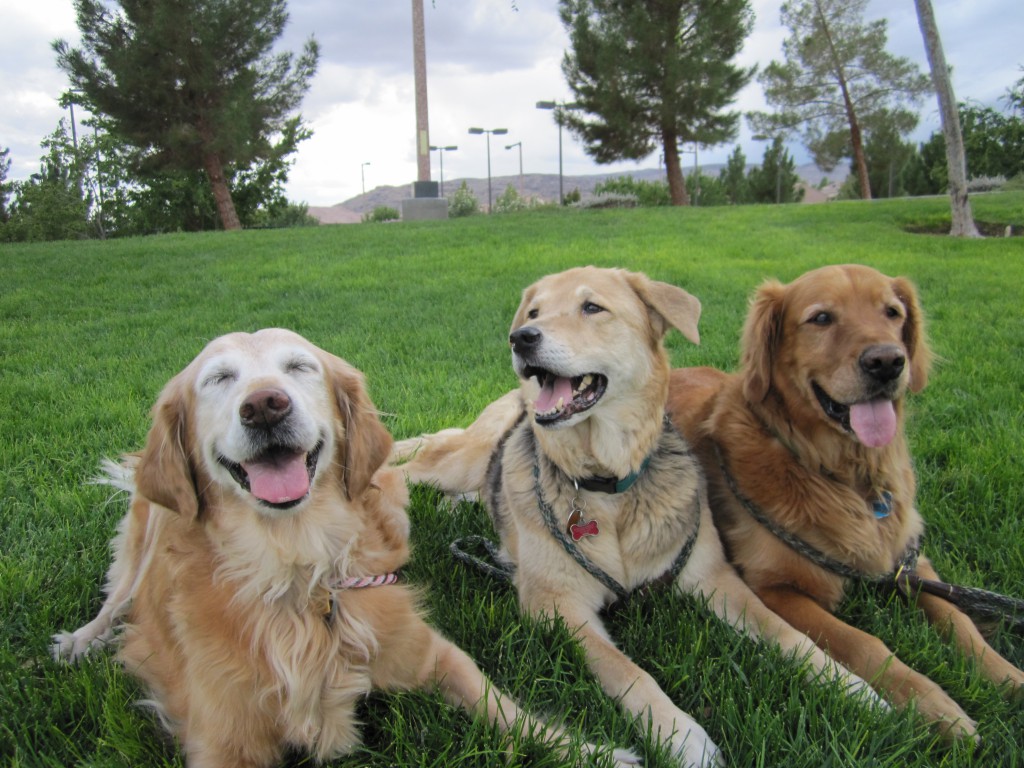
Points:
488	63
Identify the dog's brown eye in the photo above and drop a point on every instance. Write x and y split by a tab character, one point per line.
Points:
893	312
590	308
532	314
822	318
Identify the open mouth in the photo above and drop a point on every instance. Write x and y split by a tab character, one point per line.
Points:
279	477
562	397
833	409
872	421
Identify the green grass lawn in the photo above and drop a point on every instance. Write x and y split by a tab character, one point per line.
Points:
90	332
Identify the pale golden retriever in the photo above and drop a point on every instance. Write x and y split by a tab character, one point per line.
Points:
593	493
255	571
810	476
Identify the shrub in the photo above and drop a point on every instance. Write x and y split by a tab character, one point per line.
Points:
462	203
381	213
510	200
648	194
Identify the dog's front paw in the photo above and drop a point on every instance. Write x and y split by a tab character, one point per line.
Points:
70	647
695	749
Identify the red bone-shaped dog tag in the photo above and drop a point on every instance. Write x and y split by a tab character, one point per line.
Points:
579	528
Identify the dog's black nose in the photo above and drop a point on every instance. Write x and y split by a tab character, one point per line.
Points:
883	362
265	408
524	339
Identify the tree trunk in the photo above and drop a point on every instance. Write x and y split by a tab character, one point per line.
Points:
860	164
676	183
221	192
963	219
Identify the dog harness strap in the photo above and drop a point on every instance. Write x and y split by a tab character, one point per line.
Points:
621	593
559	532
906	563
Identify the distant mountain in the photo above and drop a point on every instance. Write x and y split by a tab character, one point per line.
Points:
541	186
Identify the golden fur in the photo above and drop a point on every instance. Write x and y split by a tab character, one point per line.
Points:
607	322
819	477
234	616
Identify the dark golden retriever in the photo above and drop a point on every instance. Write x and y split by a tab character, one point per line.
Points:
810	477
255	570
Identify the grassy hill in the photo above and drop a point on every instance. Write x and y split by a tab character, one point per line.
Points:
90	332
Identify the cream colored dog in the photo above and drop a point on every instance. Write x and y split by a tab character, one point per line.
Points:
255	570
593	493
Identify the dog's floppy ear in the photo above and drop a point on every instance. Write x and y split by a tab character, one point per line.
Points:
671	305
520	316
762	333
164	473
914	337
366	444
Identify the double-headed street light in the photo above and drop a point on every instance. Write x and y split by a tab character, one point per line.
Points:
559	110
513	146
440	153
489	131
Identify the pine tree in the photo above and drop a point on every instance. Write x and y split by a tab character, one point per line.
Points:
734	178
776	180
654	74
193	84
836	82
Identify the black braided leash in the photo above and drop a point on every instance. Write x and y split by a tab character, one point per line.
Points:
500	569
979	603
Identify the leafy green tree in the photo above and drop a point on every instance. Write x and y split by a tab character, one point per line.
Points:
993	141
1015	97
654	74
192	84
775	180
837	82
734	178
706	191
888	158
53	204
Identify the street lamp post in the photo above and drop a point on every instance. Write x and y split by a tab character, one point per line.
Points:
558	109
489	131
362	175
520	145
440	153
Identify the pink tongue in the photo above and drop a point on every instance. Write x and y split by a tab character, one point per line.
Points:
279	480
550	394
874	423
